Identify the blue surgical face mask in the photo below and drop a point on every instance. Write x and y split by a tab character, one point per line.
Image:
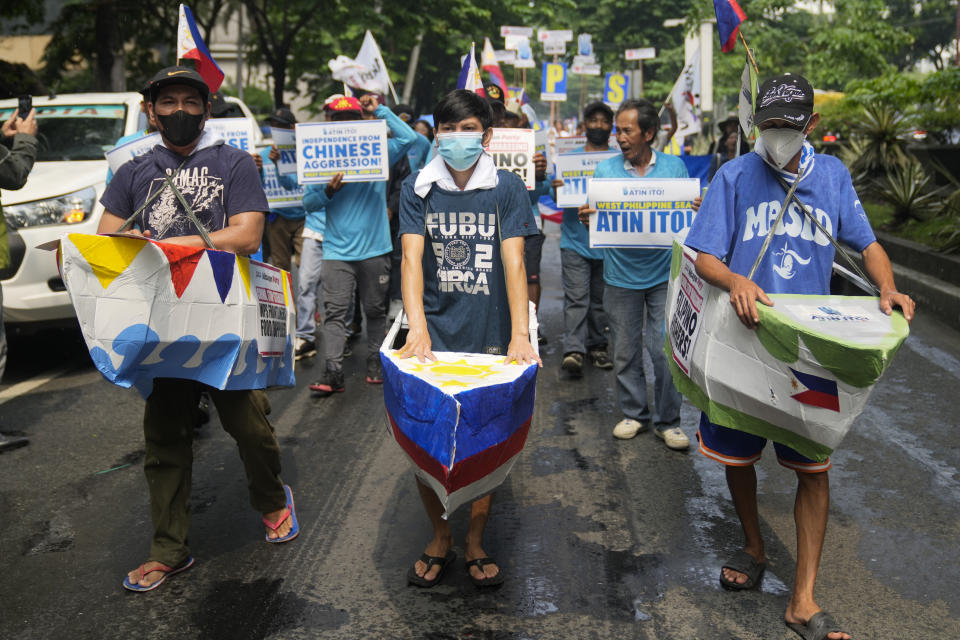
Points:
460	150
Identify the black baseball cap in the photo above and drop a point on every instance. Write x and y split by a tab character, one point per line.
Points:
494	92
784	97
178	75
595	107
219	105
282	116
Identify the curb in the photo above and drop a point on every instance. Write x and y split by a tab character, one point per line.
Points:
930	278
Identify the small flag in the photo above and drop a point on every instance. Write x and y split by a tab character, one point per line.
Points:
817	391
469	74
748	98
369	56
191	45
549	210
685	96
489	62
729	17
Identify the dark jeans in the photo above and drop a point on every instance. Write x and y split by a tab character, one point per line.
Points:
339	279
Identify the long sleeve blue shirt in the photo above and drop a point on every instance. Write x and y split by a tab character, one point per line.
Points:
357	226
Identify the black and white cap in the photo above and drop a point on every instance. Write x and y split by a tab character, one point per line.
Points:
784	97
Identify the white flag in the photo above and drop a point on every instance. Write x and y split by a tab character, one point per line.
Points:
369	56
686	97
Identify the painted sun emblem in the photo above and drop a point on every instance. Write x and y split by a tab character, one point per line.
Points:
460	373
793	383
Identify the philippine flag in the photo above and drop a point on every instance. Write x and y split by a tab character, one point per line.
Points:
491	66
549	209
191	45
470	74
729	17
815	391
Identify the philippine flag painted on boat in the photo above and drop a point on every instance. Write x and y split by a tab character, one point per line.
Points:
462	419
818	392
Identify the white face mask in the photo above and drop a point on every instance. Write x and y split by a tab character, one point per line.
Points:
781	145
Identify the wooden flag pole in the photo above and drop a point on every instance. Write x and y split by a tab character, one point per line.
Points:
749	53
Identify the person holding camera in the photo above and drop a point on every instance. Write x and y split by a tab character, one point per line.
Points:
18	151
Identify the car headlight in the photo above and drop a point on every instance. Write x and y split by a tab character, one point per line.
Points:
68	209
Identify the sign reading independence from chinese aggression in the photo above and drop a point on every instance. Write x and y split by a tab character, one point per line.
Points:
278	196
357	149
640	212
576	169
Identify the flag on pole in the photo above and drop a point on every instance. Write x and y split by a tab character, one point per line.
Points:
685	96
729	17
748	98
469	74
488	60
549	210
191	45
370	57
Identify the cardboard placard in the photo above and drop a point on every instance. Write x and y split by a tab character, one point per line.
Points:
576	169
277	196
513	150
640	212
357	149
236	132
120	155
285	140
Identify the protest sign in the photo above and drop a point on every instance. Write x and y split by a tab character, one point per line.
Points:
462	419
357	148
277	196
640	212
541	139
120	155
554	82
802	376
513	150
236	132
285	140
566	144
152	309
615	88
575	169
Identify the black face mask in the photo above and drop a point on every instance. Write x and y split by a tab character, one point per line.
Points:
597	135
181	128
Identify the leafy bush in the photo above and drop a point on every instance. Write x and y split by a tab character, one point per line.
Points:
882	131
908	189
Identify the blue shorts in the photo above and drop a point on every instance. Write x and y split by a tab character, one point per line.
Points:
742	449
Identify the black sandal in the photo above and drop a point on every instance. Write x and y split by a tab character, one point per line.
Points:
413	578
484	582
743	562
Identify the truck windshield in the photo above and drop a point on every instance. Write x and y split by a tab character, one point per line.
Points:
76	132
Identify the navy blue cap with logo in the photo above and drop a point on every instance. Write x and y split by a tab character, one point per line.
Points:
785	97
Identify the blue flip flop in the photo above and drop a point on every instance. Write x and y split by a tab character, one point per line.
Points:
288	512
167	572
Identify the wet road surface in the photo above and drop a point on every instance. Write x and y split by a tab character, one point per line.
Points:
598	538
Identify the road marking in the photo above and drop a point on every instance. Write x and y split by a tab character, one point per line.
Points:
25	387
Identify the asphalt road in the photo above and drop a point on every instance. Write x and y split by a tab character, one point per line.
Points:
598	538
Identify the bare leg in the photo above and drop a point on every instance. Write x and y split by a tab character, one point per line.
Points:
479	512
810	513
742	482
442	538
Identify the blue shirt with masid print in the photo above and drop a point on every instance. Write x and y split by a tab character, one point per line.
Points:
742	203
638	268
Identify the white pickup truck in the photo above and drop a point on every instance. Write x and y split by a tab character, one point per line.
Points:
63	194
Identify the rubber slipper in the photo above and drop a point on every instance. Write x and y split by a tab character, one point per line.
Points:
743	562
443	563
288	512
167	572
484	582
818	627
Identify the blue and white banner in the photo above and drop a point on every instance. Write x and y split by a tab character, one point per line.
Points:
285	140
120	155
576	169
357	149
236	132
640	212
277	196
